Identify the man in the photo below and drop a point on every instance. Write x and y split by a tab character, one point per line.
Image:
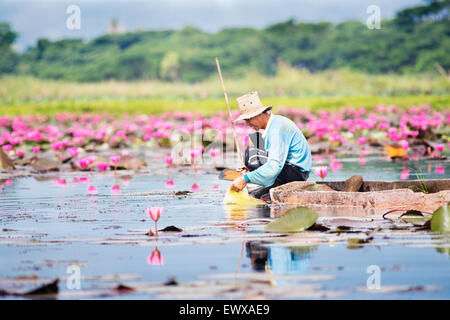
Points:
289	155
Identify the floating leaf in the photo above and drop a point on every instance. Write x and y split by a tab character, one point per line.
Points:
440	222
415	217
124	289
359	240
443	250
171	229
297	219
49	288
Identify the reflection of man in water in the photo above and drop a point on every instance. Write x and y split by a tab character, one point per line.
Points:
279	260
257	254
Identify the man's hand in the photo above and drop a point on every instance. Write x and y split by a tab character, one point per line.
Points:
242	170
238	184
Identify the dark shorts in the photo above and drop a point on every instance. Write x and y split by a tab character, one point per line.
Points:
289	173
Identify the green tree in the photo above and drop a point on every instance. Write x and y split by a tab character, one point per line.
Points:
8	58
170	67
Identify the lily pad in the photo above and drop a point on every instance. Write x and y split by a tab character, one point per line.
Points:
440	222
171	229
415	217
297	219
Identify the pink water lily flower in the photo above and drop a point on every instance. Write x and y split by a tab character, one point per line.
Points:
115	188
73	151
114	159
404	144
195	187
102	166
154	213
83	164
321	171
57	145
169	160
7	147
362	140
90	159
20	153
439	147
36	149
195	152
214	152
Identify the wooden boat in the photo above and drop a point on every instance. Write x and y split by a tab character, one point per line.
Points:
422	195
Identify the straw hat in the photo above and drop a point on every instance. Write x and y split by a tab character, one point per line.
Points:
250	106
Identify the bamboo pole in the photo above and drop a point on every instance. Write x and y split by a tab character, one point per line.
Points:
238	145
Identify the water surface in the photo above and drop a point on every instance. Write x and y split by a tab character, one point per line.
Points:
49	226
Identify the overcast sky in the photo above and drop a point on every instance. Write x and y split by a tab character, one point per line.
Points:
34	19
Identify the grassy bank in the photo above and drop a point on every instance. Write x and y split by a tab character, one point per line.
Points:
210	106
290	87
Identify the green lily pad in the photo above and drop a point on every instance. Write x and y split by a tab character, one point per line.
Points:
297	219
440	222
443	250
415	217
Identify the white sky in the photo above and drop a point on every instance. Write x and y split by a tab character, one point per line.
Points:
34	19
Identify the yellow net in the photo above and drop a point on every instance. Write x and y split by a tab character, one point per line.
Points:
240	198
238	205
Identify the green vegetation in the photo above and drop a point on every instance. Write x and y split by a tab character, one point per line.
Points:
411	43
303	65
287	82
423	187
328	90
211	106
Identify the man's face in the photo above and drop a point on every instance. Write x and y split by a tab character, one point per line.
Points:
254	123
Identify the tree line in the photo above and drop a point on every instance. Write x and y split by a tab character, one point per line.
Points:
414	41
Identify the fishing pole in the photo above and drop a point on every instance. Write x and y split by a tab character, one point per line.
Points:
238	145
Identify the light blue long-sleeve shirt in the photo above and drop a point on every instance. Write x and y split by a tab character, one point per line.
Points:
284	142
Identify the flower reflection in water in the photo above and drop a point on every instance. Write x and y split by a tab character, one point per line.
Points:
92	190
170	183
439	170
362	161
155	257
404	174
